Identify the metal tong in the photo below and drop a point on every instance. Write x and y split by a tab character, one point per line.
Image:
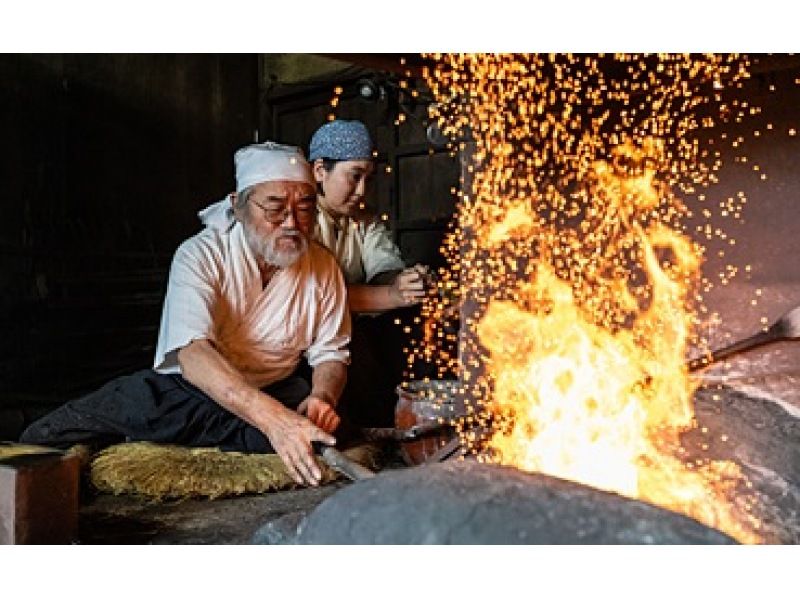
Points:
337	461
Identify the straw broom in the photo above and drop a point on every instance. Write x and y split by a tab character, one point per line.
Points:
159	472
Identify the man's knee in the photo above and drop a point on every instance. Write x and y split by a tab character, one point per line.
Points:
36	433
63	428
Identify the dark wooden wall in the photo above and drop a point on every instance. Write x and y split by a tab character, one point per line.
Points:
105	161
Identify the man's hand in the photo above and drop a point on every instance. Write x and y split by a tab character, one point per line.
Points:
408	287
291	436
320	412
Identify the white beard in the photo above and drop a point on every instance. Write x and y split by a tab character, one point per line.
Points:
268	248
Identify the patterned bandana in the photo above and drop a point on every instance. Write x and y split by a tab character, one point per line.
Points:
341	140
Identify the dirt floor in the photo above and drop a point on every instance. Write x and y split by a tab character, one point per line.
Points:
106	519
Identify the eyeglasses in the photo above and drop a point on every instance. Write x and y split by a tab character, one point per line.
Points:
304	212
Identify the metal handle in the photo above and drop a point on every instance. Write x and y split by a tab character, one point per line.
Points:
762	338
337	461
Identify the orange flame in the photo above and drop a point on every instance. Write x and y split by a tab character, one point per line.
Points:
601	407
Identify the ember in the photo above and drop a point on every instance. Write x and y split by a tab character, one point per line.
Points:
581	286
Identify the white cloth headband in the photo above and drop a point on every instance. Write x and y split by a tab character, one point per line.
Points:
270	161
258	163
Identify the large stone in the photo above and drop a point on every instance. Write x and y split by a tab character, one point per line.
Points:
762	435
472	503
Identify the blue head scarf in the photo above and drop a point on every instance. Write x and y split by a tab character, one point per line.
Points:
341	140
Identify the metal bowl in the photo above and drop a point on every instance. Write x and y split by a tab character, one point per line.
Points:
421	402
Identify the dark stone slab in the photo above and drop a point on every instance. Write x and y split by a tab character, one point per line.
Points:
282	530
763	437
473	503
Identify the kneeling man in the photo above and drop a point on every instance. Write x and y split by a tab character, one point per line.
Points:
247	296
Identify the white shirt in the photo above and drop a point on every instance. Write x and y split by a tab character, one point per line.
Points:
215	293
363	247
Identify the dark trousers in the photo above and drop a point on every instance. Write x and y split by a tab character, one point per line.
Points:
156	407
165	408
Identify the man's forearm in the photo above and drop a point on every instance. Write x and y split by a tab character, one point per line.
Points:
368	298
203	366
328	381
392	290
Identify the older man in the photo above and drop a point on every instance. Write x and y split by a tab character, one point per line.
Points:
246	297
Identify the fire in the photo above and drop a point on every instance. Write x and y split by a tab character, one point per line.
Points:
600	406
582	282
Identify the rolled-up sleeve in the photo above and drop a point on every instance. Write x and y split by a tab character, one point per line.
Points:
187	313
379	254
333	328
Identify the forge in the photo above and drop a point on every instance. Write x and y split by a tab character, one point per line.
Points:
464	501
583	272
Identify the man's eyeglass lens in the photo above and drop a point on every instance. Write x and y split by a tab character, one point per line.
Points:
302	213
